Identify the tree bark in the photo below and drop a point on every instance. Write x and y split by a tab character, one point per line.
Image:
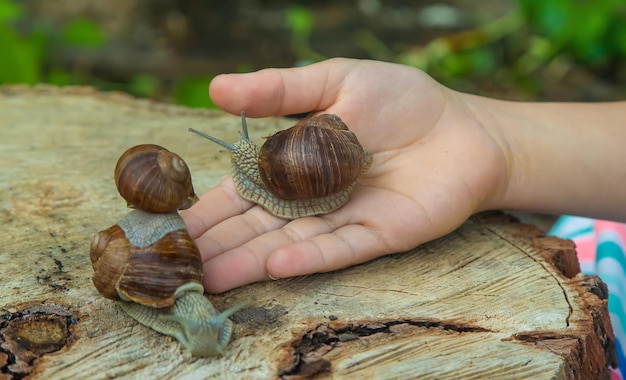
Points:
494	299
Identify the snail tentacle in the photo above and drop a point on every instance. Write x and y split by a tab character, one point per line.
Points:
222	143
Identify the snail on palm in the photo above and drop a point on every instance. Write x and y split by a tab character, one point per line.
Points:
308	169
149	263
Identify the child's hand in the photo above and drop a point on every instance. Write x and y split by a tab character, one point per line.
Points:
434	165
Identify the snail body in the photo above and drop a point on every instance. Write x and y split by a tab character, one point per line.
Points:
148	262
308	169
192	320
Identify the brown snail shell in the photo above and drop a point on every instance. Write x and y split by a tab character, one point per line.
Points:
151	178
308	169
148	262
144	258
315	158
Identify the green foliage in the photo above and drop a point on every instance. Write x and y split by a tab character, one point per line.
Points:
144	85
60	77
193	92
21	59
468	53
23	54
9	11
535	35
82	32
300	22
591	31
532	36
21	62
476	61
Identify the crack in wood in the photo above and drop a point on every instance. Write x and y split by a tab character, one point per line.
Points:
308	350
543	265
367	288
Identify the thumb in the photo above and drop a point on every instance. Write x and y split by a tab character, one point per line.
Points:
276	92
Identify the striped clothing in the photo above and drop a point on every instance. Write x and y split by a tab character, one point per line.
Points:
601	249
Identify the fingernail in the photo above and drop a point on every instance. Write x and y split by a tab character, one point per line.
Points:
272	277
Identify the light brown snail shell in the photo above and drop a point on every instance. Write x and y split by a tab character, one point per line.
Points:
308	169
144	258
151	178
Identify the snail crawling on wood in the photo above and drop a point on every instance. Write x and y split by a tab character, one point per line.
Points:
308	169
149	263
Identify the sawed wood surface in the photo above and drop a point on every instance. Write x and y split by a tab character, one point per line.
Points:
494	299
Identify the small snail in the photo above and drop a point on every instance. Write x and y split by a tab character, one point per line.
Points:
308	169
151	178
149	263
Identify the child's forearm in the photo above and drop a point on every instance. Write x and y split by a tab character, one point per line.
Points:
562	158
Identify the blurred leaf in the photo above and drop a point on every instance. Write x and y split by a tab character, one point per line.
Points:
144	85
480	61
194	92
59	77
83	32
20	58
618	39
10	11
548	16
245	67
587	29
300	21
374	46
582	28
539	51
483	61
416	57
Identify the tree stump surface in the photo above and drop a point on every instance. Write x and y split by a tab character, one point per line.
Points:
494	299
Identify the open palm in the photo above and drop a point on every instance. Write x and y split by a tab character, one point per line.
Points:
434	165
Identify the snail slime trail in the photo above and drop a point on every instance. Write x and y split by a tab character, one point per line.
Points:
148	263
308	169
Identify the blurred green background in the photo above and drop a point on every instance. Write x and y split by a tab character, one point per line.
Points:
569	50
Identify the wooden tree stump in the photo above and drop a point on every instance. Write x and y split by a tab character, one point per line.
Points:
494	299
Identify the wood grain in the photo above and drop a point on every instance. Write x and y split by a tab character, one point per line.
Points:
494	299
